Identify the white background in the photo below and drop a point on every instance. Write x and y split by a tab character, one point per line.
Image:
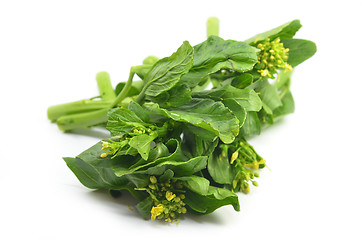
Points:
50	52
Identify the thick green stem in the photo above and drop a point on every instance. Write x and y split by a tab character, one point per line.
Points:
212	26
123	94
105	86
82	120
57	111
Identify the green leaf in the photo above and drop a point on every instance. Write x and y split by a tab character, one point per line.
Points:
251	125
179	168
177	96
268	94
242	81
236	109
247	98
299	50
196	184
287	105
198	146
214	199
215	54
139	111
95	177
204	113
144	207
167	175
143	144
97	172
121	121
284	31
283	80
176	161
220	169
167	72
170	151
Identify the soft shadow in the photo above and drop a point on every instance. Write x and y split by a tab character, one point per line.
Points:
98	133
123	205
212	218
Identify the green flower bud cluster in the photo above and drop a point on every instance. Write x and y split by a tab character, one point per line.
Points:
167	199
143	130
112	147
246	163
272	56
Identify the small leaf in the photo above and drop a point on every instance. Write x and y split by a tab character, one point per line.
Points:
214	199
204	113
139	111
299	50
166	73
144	207
251	125
220	169
215	54
143	144
284	31
121	120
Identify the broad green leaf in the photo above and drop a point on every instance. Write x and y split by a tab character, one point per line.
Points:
93	156
177	96
283	80
167	175
247	98
201	132
167	72
284	31
95	177
139	111
215	54
121	121
204	113
198	146
170	151
220	169
214	199
176	162
251	125
179	168
236	109
268	94
97	172
242	81
144	207
143	144
287	105
299	50
196	184
266	117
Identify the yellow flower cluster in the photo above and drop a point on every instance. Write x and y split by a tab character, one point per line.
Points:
246	163
110	148
167	198
272	56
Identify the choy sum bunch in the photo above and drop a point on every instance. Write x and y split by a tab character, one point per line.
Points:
178	135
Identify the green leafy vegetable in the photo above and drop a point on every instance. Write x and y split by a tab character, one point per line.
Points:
178	137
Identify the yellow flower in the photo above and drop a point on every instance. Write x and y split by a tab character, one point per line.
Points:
234	156
156	211
153	179
170	195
